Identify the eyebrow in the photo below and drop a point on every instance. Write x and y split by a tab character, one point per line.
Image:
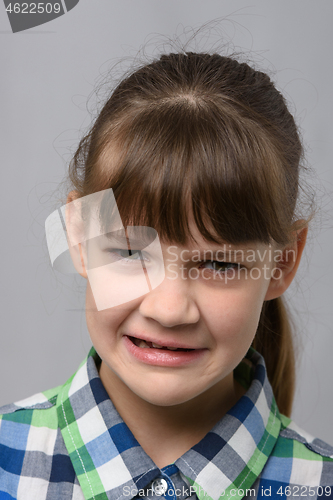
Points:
223	248
220	255
121	239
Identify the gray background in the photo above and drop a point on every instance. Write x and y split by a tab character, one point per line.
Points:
47	75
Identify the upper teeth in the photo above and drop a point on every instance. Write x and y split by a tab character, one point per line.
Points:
143	343
158	346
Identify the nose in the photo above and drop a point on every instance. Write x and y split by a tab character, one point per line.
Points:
170	304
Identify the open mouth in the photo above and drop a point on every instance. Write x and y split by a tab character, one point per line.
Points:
144	344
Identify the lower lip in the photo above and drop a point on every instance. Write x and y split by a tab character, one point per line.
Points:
162	357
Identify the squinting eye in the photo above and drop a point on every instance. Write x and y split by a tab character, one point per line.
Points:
126	254
220	266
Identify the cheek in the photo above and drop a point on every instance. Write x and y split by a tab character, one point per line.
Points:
103	325
232	315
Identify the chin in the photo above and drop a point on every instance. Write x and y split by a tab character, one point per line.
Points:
167	402
164	397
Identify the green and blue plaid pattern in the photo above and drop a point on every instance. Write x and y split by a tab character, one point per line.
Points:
70	443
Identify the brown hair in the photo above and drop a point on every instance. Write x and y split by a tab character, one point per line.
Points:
207	130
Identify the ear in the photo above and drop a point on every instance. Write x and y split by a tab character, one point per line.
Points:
287	262
75	233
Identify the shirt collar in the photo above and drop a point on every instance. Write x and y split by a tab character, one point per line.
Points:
107	457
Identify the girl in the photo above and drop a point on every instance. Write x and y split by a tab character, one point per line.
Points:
183	219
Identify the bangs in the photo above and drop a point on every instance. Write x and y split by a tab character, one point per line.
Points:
176	160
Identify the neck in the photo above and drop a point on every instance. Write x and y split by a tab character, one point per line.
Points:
167	432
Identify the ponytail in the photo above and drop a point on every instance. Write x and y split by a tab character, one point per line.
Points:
274	342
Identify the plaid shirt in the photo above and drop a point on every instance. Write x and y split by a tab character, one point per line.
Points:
70	443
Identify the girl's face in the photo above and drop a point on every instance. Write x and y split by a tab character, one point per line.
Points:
206	313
